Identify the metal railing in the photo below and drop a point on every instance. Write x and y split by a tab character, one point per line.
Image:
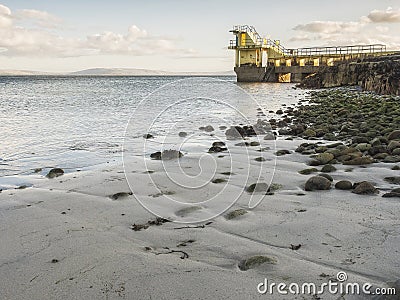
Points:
309	51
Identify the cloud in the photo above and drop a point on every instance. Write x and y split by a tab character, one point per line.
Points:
329	27
384	16
362	31
17	40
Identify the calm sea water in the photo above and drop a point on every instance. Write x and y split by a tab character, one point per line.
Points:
79	122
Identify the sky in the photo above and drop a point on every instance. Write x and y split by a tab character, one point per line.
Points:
177	35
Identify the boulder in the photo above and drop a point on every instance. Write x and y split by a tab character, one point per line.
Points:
324	158
166	155
55	173
364	188
363	160
317	183
344	185
394	135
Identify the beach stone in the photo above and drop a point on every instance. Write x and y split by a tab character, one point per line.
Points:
222	127
236	213
364	188
308	171
364	160
182	134
393	179
269	136
116	196
392	159
317	183
393	145
254	143
279	112
218	144
235	132
258	187
208	128
396	151
328	169
218	180
309	133
359	140
166	155
284	131
394	135
260	159
324	158
55	173
216	149
396	168
329	177
344	185
363	147
255	261
282	152
148	136
391	195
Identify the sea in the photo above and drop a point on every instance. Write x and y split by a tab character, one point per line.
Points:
79	123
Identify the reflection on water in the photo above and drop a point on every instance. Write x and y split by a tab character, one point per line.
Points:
77	122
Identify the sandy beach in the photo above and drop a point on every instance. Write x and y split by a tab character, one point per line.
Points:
84	235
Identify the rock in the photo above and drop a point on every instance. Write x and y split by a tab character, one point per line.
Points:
359	140
260	159
396	151
364	188
393	179
236	213
279	112
309	133
216	149
235	132
55	173
208	128
329	177
394	135
182	134
274	187
396	168
258	187
363	147
148	136
392	159
269	136
284	131
344	185
393	145
116	196
364	160
317	183
308	171
282	152
254	143
328	169
324	158
218	144
255	261
391	195
222	127
218	180
166	155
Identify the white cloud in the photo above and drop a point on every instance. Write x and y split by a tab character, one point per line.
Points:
25	40
363	31
385	16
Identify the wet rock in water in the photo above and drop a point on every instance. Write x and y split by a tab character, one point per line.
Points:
392	194
396	151
55	173
235	132
148	136
254	143
236	213
344	185
218	144
328	169
116	196
182	134
37	170
216	149
393	179
166	155
222	127
309	133
243	144
308	171
363	160
324	158
317	183
329	177
218	180
396	168
260	159
282	152
208	128
274	187
258	187
284	131
279	112
359	140
255	261
364	188
269	136
363	147
201	128
394	135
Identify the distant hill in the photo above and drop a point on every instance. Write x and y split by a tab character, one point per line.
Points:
114	72
142	72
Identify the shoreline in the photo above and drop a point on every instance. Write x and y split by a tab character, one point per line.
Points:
67	236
